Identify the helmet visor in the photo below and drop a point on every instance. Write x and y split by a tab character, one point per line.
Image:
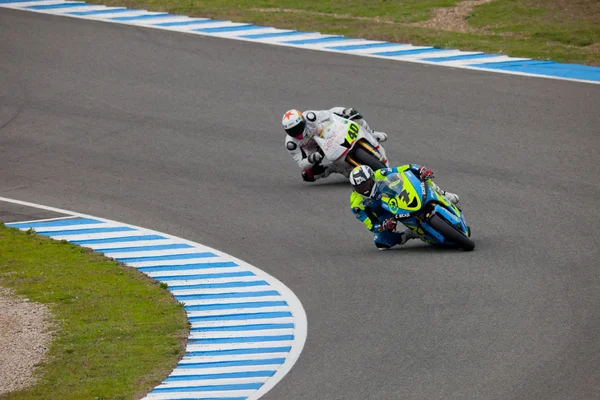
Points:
364	188
296	131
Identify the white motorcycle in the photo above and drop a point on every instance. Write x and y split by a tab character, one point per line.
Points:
348	145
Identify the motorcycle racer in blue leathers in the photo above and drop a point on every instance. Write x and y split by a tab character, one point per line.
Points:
366	205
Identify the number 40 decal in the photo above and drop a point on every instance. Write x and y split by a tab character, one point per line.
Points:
353	130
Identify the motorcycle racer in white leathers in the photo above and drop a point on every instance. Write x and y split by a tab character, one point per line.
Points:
301	128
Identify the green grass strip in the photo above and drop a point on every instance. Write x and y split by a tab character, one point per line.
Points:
558	30
119	333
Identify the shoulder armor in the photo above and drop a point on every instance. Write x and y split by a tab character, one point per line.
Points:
291	146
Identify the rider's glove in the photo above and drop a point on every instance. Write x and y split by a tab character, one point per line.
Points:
425	173
388	225
315	158
351	114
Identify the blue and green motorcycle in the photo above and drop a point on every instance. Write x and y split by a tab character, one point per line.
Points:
418	206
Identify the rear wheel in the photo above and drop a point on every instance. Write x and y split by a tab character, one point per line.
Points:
363	157
451	233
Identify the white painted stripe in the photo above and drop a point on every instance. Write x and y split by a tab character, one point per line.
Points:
399	47
155	253
32	3
184	282
214	381
87	7
281	39
215	24
233	334
134	13
232	300
333	43
199	395
41	220
239	311
284	320
197	271
179	371
265	30
107	235
161	20
441	53
232	357
186	261
50	229
233	34
182	292
482	60
231	346
138	243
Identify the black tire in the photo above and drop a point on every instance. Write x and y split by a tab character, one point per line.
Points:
451	233
365	158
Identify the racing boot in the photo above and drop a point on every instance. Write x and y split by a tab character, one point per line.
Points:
397	238
407	235
380	136
451	197
338	169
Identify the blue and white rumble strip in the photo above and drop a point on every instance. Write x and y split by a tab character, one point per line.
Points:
247	328
313	40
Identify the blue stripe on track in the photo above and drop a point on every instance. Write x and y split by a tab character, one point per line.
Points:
255	327
236	363
462	57
52	6
363	46
516	63
204	254
144	248
229	28
226	295
408	52
226	375
167	278
60	222
259	350
224	285
549	68
118	240
186	389
96	12
84	231
150	16
233	306
249	339
244	316
192	22
272	34
187	267
318	40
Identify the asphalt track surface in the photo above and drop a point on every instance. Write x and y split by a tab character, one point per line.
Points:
181	134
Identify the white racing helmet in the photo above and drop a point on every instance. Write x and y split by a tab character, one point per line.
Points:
293	122
362	179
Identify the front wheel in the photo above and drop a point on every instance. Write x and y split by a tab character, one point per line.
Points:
365	158
451	233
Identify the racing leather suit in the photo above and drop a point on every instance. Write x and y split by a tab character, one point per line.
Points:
370	212
301	149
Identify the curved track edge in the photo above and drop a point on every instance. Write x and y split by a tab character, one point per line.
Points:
248	328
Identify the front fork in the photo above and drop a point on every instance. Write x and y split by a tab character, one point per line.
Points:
370	149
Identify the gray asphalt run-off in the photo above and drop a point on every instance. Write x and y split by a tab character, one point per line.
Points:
181	133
